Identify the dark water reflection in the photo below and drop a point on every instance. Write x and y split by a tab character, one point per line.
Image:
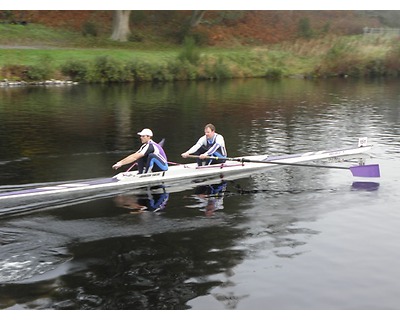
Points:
291	238
136	272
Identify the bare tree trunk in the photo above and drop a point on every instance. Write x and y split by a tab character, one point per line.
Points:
196	17
120	28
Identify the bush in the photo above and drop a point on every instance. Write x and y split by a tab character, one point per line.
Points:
182	70
14	72
217	70
190	51
89	29
274	73
108	69
375	68
160	72
392	61
136	37
305	30
139	71
200	38
75	70
42	71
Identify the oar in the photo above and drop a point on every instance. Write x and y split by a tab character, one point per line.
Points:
371	170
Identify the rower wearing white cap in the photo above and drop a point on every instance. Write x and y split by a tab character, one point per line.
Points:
150	157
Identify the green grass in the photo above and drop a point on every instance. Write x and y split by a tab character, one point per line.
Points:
34	34
60	56
39	36
33	45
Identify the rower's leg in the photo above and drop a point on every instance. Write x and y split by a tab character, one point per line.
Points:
200	162
140	164
155	164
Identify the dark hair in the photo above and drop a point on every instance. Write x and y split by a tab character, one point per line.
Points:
211	126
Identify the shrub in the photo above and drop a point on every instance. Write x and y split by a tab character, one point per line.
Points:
75	70
305	30
136	37
42	71
108	69
274	73
201	38
139	71
182	70
14	72
375	68
89	29
392	61
38	73
217	70
161	72
190	51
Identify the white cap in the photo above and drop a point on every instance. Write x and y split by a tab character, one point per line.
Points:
145	132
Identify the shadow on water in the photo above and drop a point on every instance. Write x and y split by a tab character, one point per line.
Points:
135	272
150	254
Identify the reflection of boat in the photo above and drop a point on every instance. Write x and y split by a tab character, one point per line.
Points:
176	175
148	201
365	185
209	197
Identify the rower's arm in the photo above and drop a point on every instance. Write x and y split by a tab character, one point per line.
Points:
129	159
195	147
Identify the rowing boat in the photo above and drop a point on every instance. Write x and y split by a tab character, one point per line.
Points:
28	198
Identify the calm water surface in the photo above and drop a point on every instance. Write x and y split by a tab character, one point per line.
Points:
289	238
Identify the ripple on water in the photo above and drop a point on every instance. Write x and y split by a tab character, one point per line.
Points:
25	254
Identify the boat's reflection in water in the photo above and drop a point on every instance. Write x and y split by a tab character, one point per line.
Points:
210	197
365	185
147	201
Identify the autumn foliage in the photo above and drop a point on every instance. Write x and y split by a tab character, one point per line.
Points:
217	27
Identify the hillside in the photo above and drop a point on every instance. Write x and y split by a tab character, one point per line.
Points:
76	45
218	28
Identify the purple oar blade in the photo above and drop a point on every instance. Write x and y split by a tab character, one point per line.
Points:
370	170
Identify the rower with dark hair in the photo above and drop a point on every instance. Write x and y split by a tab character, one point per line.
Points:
212	144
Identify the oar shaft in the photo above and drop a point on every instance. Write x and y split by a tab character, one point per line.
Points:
289	164
371	170
270	162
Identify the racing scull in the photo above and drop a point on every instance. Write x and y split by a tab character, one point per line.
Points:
180	174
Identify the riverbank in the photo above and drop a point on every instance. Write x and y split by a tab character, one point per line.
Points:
51	82
328	56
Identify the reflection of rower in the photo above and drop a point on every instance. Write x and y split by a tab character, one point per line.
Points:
210	197
153	202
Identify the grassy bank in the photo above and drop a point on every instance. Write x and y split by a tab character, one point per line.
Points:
39	53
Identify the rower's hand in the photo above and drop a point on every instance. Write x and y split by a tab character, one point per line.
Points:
185	155
117	165
203	156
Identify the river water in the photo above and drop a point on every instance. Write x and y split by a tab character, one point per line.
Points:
289	238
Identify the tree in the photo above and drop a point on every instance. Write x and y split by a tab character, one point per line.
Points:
120	28
196	17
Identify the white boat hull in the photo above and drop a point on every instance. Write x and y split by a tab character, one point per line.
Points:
190	174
